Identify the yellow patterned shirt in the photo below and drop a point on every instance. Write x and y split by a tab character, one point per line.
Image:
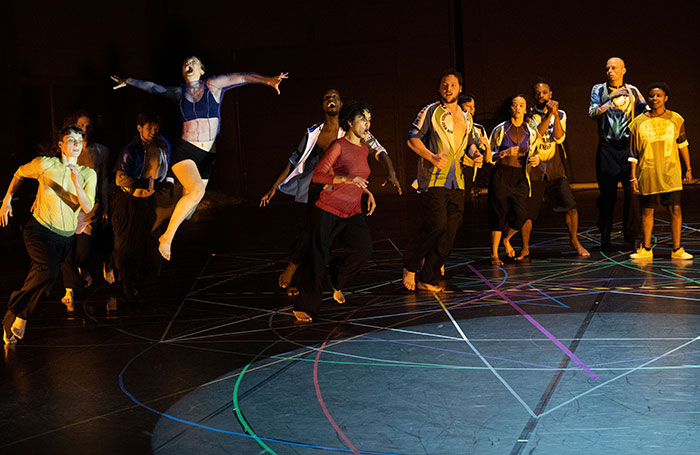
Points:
655	142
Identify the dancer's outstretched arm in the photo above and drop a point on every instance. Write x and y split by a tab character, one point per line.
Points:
227	81
6	209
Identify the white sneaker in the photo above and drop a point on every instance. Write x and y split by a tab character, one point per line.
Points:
680	253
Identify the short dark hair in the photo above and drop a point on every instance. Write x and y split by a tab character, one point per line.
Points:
82	113
541	80
466	98
73	118
329	89
351	110
452	72
662	85
146	117
69	129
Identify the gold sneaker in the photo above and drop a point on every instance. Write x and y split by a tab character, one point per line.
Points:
642	253
680	253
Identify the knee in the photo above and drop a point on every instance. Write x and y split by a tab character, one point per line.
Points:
197	192
674	210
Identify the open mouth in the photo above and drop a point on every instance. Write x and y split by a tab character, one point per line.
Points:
331	105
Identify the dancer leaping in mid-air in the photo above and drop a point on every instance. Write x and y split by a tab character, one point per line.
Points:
200	105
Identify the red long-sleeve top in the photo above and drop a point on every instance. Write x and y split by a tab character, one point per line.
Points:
345	159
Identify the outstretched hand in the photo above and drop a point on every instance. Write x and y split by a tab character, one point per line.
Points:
394	181
267	197
121	82
275	81
5	212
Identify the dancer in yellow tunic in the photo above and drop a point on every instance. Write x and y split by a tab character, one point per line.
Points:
657	139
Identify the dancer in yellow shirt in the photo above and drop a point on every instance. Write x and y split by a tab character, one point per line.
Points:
65	188
657	138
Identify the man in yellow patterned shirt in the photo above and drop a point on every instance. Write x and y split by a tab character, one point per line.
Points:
65	188
657	138
441	136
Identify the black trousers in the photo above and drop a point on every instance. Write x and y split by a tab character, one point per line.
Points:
135	244
47	251
78	257
612	167
507	200
354	240
442	210
87	249
301	243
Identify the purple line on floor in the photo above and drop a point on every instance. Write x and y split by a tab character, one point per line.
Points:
559	344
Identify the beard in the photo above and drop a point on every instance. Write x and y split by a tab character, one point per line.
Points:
450	100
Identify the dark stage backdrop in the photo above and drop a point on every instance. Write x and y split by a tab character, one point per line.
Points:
507	45
58	58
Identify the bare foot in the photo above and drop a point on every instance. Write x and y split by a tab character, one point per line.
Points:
429	287
67	300
108	273
7	336
292	291
302	316
581	251
495	260
18	327
164	247
524	256
509	248
286	277
338	296
442	270
409	280
85	275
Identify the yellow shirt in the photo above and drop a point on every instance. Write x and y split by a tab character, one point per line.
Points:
655	147
57	205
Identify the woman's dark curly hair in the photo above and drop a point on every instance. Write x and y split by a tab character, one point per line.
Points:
351	110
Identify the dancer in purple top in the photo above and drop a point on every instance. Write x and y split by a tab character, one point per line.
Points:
200	106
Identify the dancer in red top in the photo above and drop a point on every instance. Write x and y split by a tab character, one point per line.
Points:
338	215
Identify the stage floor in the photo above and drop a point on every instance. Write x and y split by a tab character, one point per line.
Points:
561	355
